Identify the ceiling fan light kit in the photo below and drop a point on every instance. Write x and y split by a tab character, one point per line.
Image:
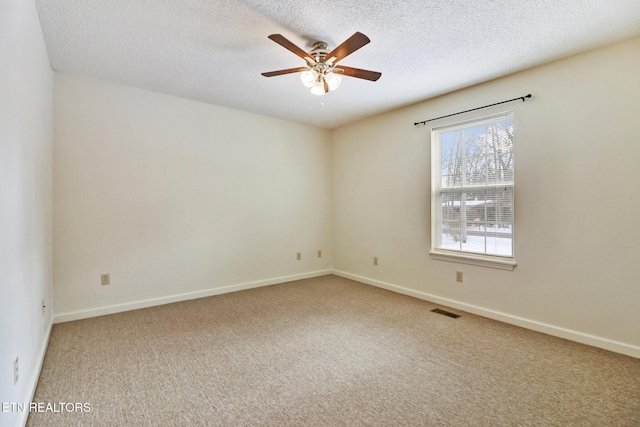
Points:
321	73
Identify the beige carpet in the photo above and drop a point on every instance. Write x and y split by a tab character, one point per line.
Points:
327	352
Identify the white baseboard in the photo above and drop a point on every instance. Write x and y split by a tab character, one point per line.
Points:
581	337
35	375
134	305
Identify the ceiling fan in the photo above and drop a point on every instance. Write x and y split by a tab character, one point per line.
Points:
321	73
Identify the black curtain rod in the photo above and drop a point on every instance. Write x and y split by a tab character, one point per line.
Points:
473	109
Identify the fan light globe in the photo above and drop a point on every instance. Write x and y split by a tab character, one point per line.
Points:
308	77
333	80
317	88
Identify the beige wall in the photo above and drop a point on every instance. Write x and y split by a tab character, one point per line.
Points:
577	201
177	199
26	83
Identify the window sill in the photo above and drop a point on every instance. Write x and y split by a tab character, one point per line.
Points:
482	261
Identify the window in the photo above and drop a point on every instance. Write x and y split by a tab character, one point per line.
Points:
472	192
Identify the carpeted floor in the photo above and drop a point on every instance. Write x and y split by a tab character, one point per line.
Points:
326	352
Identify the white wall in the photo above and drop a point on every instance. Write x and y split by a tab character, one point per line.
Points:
577	201
173	197
25	201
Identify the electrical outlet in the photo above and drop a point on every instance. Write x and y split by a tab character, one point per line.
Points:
105	280
299	256
458	276
43	306
15	371
319	253
375	260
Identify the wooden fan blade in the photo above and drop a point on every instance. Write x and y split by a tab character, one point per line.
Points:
349	46
279	38
287	71
360	74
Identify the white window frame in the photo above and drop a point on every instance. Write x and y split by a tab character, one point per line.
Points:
439	253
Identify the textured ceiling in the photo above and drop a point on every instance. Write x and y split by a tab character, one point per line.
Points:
214	50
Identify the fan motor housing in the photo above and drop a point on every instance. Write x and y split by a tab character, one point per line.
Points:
319	50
